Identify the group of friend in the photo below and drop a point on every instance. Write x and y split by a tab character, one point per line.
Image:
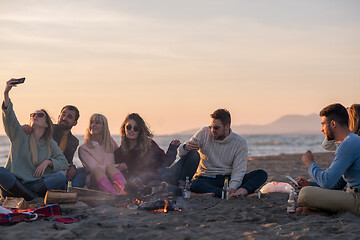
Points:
41	158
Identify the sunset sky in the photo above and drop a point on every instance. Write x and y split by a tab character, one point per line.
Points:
175	62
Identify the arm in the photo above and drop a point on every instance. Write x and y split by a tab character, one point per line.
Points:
11	124
194	143
239	165
171	153
331	176
86	158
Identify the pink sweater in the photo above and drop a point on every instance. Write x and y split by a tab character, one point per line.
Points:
96	157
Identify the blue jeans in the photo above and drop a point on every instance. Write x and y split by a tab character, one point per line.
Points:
54	181
80	178
251	181
185	167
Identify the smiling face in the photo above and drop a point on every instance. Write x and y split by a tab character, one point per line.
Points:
38	119
66	119
218	130
96	126
131	130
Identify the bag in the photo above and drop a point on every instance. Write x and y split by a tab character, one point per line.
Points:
278	187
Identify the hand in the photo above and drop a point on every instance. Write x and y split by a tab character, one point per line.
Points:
122	167
307	158
10	84
71	172
27	129
39	172
175	142
192	145
303	182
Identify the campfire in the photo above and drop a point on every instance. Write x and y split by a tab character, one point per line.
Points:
155	199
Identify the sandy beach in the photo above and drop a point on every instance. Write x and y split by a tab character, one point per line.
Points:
203	217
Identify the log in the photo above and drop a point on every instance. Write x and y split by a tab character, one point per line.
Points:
55	196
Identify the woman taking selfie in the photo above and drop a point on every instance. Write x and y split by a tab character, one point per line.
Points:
35	163
97	156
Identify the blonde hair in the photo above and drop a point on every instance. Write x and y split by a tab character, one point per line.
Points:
47	136
354	118
106	137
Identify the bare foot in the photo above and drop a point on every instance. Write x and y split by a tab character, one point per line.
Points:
240	191
308	211
192	194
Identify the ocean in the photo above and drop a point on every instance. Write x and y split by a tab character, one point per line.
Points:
259	145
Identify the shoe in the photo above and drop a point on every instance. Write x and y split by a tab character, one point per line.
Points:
19	190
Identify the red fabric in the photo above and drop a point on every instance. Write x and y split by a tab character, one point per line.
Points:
50	212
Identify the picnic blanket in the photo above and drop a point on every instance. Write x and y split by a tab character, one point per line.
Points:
48	212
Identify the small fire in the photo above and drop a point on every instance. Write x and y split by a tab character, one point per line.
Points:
164	209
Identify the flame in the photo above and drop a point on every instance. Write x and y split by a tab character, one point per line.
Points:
162	210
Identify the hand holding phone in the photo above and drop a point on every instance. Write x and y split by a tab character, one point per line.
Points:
293	181
19	80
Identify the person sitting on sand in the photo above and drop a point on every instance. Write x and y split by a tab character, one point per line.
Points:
97	156
35	163
331	145
139	156
67	142
334	121
223	154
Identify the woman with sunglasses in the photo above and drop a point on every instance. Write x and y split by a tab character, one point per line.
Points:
97	156
139	156
35	163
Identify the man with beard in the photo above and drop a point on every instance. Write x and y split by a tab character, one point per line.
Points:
68	143
346	165
223	154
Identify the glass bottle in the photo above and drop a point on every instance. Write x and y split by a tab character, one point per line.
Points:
225	190
186	191
291	203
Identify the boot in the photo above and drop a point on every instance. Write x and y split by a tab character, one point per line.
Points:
39	188
119	182
105	186
19	190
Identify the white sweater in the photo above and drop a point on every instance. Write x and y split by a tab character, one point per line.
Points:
221	157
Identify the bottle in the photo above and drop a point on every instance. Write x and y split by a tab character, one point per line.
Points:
69	186
291	203
186	191
225	190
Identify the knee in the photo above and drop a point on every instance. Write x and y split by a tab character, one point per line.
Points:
263	174
304	195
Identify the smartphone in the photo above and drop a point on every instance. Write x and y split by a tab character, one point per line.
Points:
293	181
20	80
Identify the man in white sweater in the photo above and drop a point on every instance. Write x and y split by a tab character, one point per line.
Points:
223	154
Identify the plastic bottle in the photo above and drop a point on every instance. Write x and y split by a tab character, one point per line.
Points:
291	203
225	190
186	191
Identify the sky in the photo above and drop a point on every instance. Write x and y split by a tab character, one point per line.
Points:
175	62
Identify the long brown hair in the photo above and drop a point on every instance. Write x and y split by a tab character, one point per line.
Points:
106	137
144	138
47	136
354	118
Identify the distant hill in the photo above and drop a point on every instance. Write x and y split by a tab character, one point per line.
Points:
288	124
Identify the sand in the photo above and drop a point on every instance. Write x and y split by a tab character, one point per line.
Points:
203	217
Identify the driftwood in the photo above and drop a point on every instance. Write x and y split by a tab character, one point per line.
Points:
13	202
95	198
55	196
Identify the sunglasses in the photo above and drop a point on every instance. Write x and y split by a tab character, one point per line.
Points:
214	127
40	115
129	127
